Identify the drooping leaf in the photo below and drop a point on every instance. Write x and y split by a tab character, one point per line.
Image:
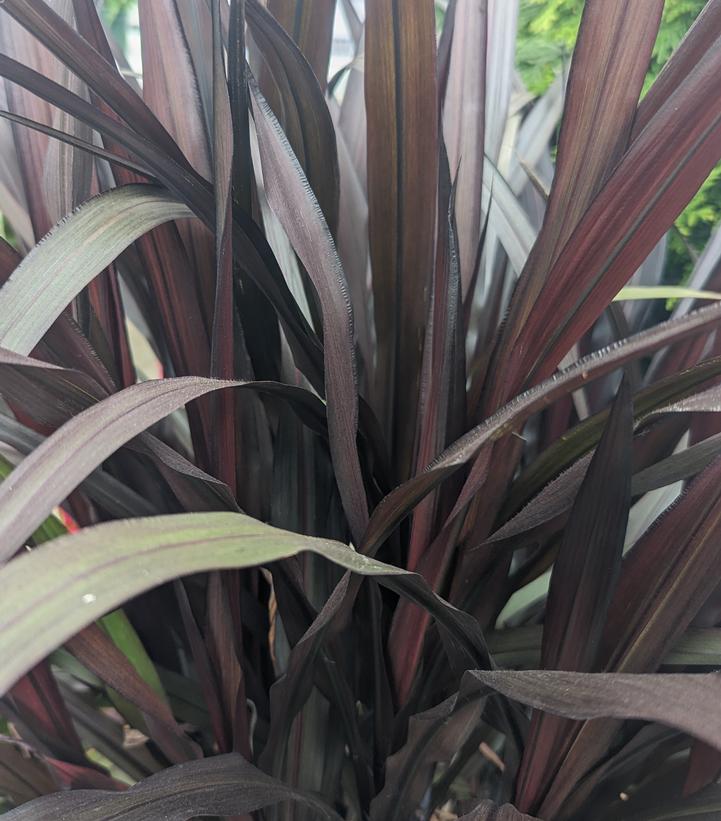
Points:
396	505
105	565
62	461
51	528
682	701
72	254
115	420
222	785
112	495
122	662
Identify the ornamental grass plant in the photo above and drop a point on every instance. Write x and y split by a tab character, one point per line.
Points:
351	467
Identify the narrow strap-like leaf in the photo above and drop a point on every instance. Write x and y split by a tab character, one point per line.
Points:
397	504
93	648
298	102
589	559
582	585
683	701
74	252
698	39
121	559
261	263
55	468
297	208
39	19
464	120
239	106
669	173
666	578
434	736
402	115
224	785
311	26
223	343
170	86
612	53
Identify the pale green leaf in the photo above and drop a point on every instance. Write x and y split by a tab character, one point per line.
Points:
631	292
75	251
54	591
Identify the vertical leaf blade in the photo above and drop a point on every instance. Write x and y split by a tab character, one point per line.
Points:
400	92
293	201
582	585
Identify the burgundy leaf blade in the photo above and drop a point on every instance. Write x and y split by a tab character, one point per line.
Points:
293	201
222	785
402	117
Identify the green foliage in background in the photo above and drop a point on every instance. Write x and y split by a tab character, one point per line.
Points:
115	16
112	8
547	32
